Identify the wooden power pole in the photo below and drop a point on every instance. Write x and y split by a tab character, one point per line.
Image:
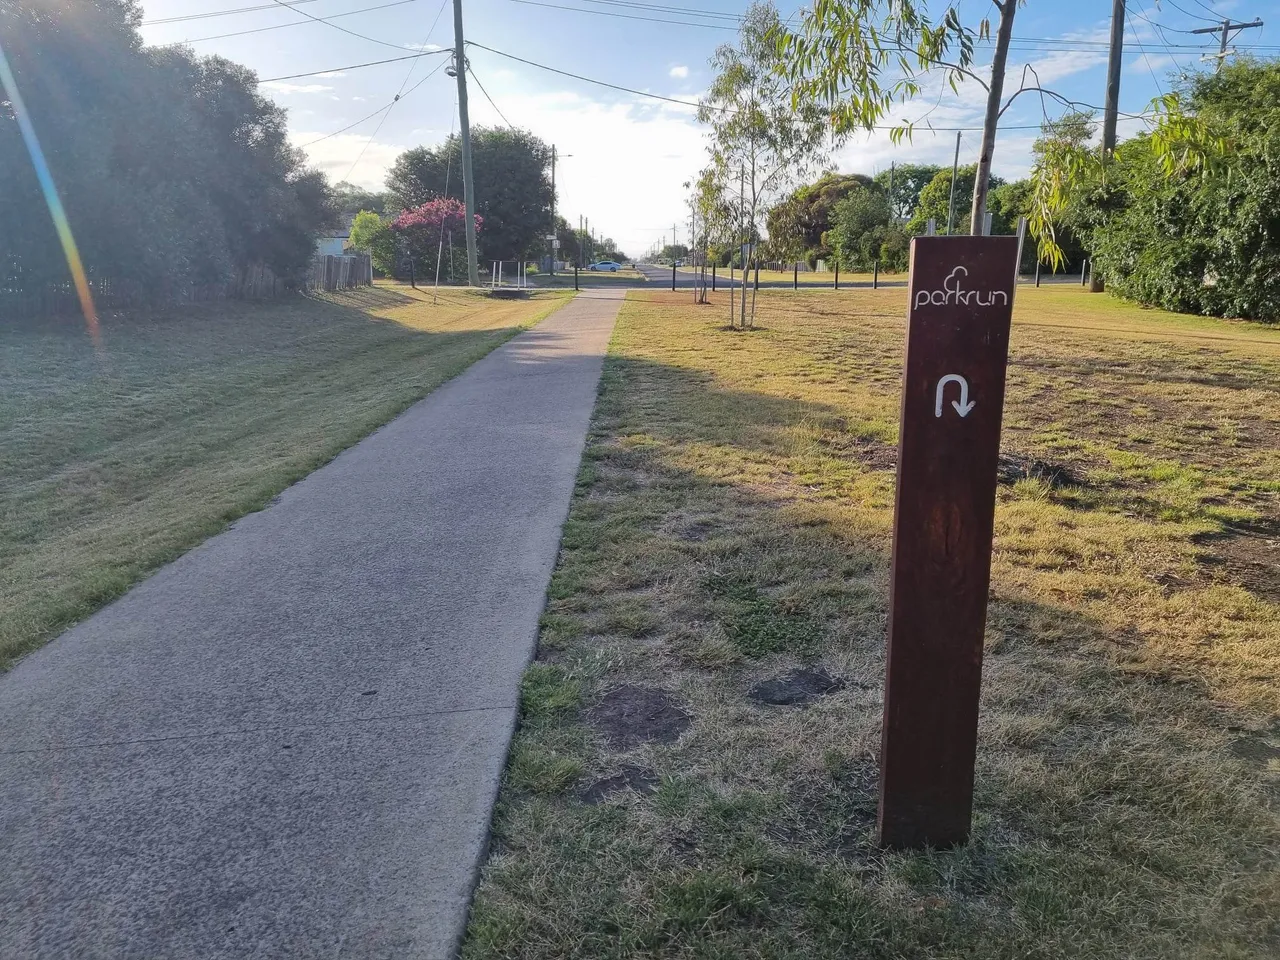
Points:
464	123
1226	28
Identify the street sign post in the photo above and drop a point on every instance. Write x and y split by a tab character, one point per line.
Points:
959	311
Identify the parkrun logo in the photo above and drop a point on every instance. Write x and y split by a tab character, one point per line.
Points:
952	293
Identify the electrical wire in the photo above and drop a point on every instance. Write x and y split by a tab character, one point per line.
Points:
489	98
1147	59
376	112
399	93
625	16
361	36
1194	16
358	66
299	23
687	103
1023	44
218	13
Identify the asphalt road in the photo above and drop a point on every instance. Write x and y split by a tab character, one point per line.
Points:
288	742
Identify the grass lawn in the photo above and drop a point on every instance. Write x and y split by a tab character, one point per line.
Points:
110	466
731	524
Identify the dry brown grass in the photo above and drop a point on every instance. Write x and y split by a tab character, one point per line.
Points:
732	522
113	465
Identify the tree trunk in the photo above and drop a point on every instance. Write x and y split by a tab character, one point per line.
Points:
983	176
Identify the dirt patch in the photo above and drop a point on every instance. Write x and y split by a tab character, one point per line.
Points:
631	777
796	688
697	531
1017	466
1254	748
1246	554
631	715
874	454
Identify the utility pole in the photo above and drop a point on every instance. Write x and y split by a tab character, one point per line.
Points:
464	123
955	166
1111	106
1227	28
892	215
554	231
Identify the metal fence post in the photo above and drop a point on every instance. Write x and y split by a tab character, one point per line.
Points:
875	276
795	276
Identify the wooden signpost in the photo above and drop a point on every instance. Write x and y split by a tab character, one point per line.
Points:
960	308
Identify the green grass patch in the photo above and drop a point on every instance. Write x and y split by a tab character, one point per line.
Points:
732	523
114	463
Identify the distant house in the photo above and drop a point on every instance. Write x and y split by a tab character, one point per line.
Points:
333	244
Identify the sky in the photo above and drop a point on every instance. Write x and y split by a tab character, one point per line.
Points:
624	158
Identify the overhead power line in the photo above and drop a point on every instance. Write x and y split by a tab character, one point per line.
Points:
357	66
219	13
626	16
489	98
398	97
1025	44
352	33
300	23
694	105
1194	16
399	93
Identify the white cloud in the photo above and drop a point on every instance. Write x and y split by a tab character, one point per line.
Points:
278	87
336	155
680	72
623	162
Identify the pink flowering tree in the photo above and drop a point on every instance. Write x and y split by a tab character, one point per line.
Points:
421	227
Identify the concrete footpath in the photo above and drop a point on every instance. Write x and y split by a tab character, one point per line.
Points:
288	742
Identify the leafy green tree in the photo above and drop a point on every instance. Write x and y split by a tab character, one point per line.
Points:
935	201
373	235
761	142
860	221
350	200
856	59
512	187
1198	235
904	185
798	223
173	169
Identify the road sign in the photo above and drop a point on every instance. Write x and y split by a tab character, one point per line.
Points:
959	310
550	236
555	244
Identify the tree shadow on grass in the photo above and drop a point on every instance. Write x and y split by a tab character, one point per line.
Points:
695	561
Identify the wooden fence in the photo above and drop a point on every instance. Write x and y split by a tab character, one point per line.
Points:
22	299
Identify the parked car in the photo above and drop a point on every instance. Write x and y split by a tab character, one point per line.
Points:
611	265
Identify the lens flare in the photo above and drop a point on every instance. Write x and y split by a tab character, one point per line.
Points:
56	211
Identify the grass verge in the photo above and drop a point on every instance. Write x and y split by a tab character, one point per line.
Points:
112	465
696	767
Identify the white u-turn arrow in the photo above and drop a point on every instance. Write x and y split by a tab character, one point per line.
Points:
963	405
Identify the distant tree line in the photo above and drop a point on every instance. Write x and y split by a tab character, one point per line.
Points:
173	169
513	204
855	221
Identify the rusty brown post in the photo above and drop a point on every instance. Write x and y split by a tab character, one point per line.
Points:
959	309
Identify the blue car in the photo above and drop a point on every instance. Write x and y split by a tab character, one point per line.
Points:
611	265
